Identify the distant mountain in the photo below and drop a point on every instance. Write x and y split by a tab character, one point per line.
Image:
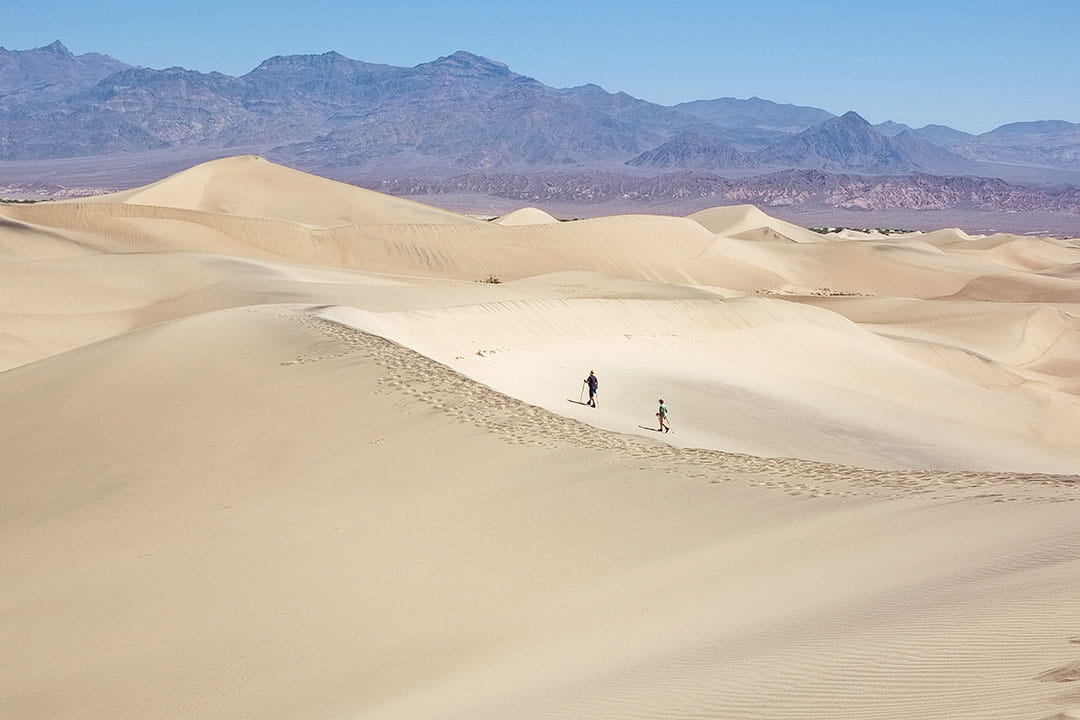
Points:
690	150
847	143
330	111
784	188
890	128
850	143
927	155
943	135
464	112
129	110
758	122
1041	129
1046	143
49	73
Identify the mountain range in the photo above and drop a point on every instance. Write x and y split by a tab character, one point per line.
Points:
847	144
782	188
463	113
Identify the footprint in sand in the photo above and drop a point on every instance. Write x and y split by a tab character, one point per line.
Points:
1069	672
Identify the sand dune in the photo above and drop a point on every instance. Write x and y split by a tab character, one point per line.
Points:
252	187
25	241
378	537
740	220
672	250
274	448
526	216
790	382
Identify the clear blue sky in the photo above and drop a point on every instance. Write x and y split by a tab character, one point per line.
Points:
971	65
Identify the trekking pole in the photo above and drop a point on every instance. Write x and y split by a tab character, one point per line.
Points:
581	395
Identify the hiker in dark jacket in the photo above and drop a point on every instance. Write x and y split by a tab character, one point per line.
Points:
593	383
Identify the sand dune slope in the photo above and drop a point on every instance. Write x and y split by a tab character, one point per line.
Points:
255	513
673	250
24	241
253	187
759	375
756	375
249	207
526	216
734	220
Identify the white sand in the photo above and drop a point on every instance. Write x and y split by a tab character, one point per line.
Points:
225	495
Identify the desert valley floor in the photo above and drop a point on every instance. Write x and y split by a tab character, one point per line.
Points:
280	447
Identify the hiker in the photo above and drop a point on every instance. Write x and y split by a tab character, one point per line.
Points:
593	383
661	415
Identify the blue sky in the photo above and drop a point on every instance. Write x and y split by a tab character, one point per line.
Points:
971	65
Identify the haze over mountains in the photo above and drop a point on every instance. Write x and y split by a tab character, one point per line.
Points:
463	114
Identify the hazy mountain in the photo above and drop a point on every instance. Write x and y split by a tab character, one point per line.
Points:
626	108
850	143
1041	130
842	142
943	135
690	150
783	188
129	110
463	111
49	73
928	155
1046	143
846	143
467	111
758	122
329	110
890	128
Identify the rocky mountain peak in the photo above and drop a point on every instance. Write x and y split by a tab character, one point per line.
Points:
853	118
57	48
322	60
463	62
845	142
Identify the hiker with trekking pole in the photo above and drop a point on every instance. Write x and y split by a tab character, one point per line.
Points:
593	384
661	415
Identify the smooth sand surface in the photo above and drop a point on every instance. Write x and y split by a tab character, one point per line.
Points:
273	449
526	216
